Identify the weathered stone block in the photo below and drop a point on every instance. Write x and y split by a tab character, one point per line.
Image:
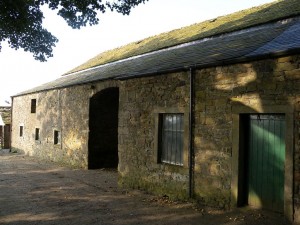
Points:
292	74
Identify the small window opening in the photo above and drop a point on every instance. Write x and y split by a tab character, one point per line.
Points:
21	131
56	137
171	138
33	105
37	134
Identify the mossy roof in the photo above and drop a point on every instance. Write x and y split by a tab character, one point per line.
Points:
240	20
273	39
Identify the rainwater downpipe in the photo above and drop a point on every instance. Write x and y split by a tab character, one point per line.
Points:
191	133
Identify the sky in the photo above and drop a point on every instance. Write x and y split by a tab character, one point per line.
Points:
19	71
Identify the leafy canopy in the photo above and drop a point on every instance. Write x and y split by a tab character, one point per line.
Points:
21	21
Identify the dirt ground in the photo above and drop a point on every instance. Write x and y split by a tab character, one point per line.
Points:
37	192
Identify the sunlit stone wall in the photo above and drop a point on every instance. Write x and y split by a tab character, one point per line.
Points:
64	110
255	86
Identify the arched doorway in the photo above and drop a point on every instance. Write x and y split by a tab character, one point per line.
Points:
103	125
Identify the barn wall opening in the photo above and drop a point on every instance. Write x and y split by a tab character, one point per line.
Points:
103	126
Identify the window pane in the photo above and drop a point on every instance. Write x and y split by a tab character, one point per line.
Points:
21	131
37	134
172	138
173	144
33	105
56	137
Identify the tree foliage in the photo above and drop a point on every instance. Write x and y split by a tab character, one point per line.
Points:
21	20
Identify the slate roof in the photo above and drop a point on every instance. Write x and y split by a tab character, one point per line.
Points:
266	13
265	40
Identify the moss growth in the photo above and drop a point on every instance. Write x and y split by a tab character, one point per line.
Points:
174	190
213	197
224	24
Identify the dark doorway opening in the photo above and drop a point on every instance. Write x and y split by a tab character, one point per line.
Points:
262	160
103	125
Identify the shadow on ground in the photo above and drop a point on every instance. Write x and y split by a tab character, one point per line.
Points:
36	192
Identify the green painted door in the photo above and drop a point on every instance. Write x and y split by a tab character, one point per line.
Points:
266	161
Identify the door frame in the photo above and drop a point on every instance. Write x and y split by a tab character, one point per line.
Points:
288	111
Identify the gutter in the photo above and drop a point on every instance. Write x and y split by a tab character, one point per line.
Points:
191	133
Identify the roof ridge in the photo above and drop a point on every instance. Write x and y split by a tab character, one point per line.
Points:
249	29
243	19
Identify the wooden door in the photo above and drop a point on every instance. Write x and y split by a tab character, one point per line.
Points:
266	157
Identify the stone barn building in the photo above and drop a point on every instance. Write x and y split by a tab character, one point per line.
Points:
210	111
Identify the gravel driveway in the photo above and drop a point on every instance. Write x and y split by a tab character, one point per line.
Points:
37	192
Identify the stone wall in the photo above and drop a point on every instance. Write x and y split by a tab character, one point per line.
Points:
141	101
64	110
259	86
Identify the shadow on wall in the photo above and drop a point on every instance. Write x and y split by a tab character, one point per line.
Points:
256	86
263	161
